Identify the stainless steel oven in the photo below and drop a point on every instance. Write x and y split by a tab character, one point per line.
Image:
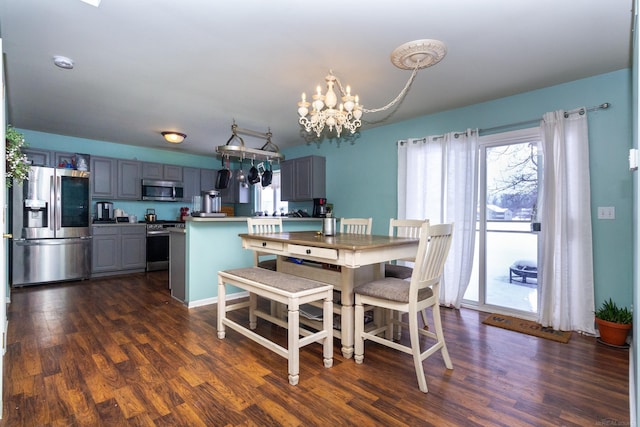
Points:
158	244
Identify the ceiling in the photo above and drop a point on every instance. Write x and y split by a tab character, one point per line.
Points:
195	66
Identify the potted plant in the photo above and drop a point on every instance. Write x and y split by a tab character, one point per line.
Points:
613	323
17	165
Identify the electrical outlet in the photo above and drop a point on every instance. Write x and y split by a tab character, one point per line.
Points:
606	212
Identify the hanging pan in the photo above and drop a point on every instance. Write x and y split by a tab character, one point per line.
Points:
224	174
267	175
254	175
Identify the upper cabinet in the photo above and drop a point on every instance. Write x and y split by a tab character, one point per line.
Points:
115	179
103	177
208	179
55	159
129	183
38	157
303	178
161	171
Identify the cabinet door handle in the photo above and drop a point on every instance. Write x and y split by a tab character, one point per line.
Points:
264	244
308	251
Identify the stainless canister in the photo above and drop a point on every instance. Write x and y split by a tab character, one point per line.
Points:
329	226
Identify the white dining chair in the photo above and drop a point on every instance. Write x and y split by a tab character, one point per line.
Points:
403	228
356	225
411	297
264	225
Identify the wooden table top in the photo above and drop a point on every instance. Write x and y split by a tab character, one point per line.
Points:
347	241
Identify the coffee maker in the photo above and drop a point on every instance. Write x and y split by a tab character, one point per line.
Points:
104	212
320	208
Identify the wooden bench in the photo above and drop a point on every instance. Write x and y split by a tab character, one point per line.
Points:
287	289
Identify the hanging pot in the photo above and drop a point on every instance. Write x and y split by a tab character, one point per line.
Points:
254	175
267	176
222	180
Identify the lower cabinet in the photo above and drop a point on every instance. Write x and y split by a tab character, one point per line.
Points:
118	249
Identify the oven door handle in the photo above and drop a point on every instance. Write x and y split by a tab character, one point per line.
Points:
158	233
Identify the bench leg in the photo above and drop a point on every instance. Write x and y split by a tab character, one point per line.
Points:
222	309
253	305
293	338
327	324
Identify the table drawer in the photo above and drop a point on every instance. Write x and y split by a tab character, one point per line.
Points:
263	244
313	251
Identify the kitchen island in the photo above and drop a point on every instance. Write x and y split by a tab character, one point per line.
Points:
214	244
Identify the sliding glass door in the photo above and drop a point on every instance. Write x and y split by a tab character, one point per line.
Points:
506	257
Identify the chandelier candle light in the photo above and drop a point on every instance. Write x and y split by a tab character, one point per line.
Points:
409	56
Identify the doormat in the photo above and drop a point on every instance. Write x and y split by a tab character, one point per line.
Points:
527	327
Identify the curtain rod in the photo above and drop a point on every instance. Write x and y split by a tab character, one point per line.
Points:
580	111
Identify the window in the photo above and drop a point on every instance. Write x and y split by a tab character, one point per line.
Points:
267	199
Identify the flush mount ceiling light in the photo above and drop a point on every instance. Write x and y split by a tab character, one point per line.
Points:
174	137
413	55
63	62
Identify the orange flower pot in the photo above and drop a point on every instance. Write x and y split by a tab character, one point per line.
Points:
613	333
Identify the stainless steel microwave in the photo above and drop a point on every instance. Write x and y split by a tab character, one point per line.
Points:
162	191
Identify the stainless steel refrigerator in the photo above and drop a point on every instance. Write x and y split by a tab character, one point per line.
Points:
51	227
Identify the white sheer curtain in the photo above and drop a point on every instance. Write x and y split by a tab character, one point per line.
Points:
566	268
437	180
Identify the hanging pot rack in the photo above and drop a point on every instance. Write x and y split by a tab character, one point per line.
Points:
235	146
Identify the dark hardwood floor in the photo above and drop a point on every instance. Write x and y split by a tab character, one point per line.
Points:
121	351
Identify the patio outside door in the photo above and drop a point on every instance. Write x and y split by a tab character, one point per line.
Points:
504	277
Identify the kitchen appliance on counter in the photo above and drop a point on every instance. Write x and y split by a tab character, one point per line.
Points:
320	208
50	217
104	212
158	244
211	205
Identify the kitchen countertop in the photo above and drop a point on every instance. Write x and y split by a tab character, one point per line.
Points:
244	218
116	224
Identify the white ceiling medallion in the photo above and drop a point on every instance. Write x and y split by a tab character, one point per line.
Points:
63	62
95	3
421	53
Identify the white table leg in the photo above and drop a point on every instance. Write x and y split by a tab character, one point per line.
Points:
346	311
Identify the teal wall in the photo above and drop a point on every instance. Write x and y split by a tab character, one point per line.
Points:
361	175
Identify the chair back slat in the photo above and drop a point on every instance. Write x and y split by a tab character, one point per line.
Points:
356	225
435	243
264	225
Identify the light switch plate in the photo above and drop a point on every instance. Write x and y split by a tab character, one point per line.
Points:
633	159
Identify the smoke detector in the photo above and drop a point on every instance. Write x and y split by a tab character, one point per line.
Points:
63	62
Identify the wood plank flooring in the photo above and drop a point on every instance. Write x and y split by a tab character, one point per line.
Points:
121	351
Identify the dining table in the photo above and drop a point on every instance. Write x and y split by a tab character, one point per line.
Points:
344	260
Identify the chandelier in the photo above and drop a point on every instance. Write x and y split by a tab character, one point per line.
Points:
325	110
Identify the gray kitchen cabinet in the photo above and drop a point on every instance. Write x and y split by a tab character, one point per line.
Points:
161	171
52	159
303	178
133	247
177	265
191	180
128	180
104	174
105	251
208	179
118	249
38	157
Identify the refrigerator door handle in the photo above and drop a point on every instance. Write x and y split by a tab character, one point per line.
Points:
52	204
58	202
